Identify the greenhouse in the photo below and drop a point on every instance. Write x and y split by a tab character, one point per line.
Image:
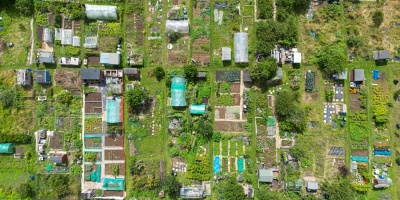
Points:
90	43
100	12
178	88
66	37
180	26
7	148
197	109
241	44
114	111
76	41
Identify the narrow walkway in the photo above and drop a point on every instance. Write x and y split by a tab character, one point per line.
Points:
274	6
32	40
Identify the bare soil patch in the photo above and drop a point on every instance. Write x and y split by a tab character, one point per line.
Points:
229	126
121	166
355	104
176	58
113	193
235	87
56	141
114	155
93	96
94	60
92	143
237	99
93	107
68	79
359	152
114	142
221	112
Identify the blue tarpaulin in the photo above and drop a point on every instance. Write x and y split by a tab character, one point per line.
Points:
375	74
217	167
382	153
359	158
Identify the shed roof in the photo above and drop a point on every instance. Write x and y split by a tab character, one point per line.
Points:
312	185
110	58
58	158
90	74
76	41
265	175
201	74
359	75
42	76
45	57
197	109
246	76
226	54
180	26
279	73
381	55
296	57
241	44
90	42
47	35
24	77
131	71
101	12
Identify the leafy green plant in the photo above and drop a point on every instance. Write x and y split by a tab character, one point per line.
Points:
226	100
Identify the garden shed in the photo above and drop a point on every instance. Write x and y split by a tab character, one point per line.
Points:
24	77
246	76
101	12
197	109
131	72
47	35
265	175
180	26
58	158
241	44
296	56
201	75
66	36
381	55
109	58
45	57
76	41
90	43
226	54
7	148
341	76
91	74
358	75
42	76
312	186
178	88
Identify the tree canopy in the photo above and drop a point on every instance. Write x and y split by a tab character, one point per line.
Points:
25	7
159	73
265	70
291	115
135	97
338	189
171	185
331	58
190	72
231	189
377	18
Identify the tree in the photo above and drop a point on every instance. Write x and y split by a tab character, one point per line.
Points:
338	189
331	59
174	36
25	7
171	185
190	72
136	166
291	115
7	97
265	70
343	170
377	18
159	72
64	97
231	189
135	97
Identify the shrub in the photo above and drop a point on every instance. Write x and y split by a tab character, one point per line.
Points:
216	136
173	152
159	72
377	18
15	138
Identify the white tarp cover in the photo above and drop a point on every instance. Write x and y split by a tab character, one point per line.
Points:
101	12
180	26
90	42
241	44
66	37
226	54
76	41
57	34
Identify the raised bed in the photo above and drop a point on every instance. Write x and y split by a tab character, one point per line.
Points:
93	126
108	169
114	142
114	155
228	126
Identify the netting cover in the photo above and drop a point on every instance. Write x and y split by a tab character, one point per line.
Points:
113	184
66	37
113	111
197	109
180	26
90	42
76	41
178	88
101	12
241	44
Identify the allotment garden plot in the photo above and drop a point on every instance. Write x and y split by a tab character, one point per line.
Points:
155	27
201	33
229	156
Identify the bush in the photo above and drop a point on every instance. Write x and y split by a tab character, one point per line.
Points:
76	170
377	18
71	51
15	138
398	161
216	136
159	72
173	152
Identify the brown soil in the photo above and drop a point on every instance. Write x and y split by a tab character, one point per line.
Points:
176	58
56	141
108	170
94	60
235	88
108	43
201	51
39	33
111	193
355	104
359	152
68	79
93	96
89	144
228	126
93	108
114	155
237	99
117	142
221	114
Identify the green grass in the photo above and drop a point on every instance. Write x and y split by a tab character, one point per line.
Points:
224	148
216	149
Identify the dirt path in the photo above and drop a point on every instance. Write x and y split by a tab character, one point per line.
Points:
274	6
32	40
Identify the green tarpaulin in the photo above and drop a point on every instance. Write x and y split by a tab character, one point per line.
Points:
197	109
7	148
178	88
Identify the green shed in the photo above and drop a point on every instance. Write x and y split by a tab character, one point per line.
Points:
197	109
7	148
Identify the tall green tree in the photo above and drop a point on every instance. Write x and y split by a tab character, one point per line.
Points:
331	58
190	72
291	114
159	73
171	185
25	7
377	18
265	70
135	97
232	190
338	189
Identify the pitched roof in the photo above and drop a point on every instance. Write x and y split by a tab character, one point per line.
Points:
131	71
24	77
90	74
201	74
265	175
246	76
226	54
57	158
45	57
42	76
381	55
109	58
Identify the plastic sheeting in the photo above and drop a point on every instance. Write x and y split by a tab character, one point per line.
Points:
90	42
359	158
241	43
178	88
240	165
197	109
101	12
113	111
114	183
180	26
217	167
